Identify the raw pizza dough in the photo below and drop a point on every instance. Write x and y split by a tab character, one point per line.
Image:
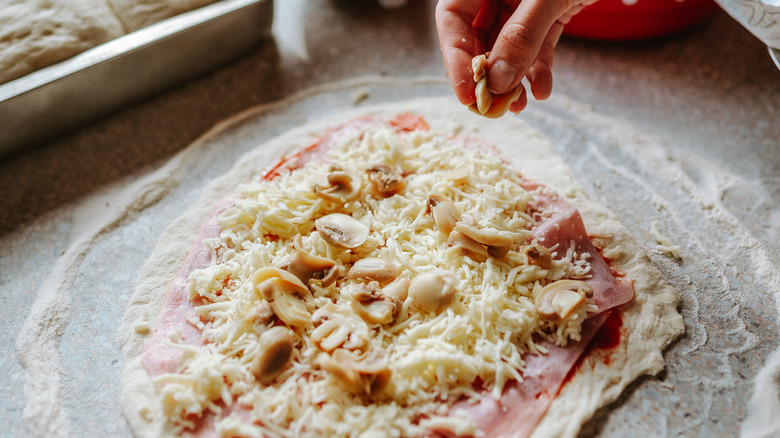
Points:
38	33
650	321
135	14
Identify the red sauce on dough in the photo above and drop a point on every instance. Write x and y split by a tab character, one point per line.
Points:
606	338
290	162
406	122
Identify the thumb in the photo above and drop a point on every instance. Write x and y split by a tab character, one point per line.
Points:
519	40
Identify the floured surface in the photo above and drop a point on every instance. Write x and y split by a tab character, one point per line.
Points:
727	303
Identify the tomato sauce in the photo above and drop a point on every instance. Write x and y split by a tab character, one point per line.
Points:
606	338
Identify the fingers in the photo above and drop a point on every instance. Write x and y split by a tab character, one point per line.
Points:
520	103
521	40
540	73
454	20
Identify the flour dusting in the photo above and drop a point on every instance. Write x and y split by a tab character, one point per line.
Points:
38	342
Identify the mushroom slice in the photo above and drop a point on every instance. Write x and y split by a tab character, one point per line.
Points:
341	231
539	255
487	104
497	242
385	180
344	186
363	373
371	304
501	103
478	65
276	350
337	327
373	269
397	290
559	299
445	212
304	265
286	293
466	243
432	291
484	98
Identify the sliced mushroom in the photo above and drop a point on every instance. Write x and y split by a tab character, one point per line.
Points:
432	291
498	243
344	186
277	345
539	255
370	303
286	293
363	373
341	231
305	265
445	212
385	180
559	299
488	104
398	290
373	269
467	244
478	64
501	103
484	97
337	327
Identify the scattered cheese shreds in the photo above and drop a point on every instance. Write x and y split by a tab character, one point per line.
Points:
433	358
664	245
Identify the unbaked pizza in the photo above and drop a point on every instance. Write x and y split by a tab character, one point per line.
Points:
408	271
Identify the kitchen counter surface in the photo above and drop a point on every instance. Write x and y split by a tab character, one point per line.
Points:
681	130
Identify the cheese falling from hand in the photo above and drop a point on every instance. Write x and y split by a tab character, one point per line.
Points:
435	358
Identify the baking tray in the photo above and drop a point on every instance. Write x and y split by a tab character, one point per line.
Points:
43	104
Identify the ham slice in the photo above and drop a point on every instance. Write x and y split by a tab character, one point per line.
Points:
523	404
159	356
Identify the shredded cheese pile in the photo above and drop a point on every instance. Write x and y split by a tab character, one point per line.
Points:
434	358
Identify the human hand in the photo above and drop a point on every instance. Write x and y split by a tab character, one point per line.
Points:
519	34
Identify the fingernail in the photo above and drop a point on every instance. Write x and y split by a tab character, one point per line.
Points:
500	77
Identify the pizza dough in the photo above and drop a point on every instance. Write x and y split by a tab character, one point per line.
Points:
137	14
650	321
38	33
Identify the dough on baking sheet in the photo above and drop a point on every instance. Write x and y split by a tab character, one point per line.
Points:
38	33
650	321
135	14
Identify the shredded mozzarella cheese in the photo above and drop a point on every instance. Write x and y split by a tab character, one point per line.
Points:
435	359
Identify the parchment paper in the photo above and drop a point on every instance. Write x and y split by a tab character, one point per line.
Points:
726	278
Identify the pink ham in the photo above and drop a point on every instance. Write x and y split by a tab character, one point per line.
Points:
522	405
566	227
159	356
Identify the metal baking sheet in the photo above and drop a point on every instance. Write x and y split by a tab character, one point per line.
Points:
775	54
45	103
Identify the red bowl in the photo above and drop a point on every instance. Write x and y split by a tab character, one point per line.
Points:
616	20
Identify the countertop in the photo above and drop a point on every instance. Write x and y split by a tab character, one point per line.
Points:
688	121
